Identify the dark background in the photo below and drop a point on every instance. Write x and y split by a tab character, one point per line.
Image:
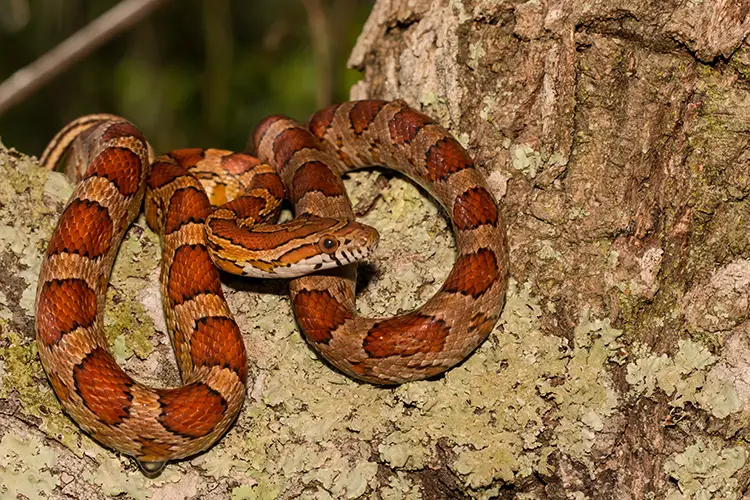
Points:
192	74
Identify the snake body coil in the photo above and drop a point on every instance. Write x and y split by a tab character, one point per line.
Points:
109	158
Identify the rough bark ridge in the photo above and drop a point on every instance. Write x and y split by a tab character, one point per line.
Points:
614	134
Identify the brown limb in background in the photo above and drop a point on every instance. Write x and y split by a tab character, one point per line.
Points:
219	52
319	35
27	80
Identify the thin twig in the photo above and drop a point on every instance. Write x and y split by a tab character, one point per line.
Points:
316	19
26	81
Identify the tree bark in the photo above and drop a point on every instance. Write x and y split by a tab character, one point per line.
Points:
615	136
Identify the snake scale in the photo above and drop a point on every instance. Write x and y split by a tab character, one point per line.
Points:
110	161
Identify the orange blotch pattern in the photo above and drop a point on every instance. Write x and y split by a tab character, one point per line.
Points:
164	172
193	410
482	324
319	314
192	273
320	121
473	208
271	182
64	305
262	128
103	386
85	228
188	204
122	129
246	207
238	163
188	157
406	124
363	113
446	157
315	176
473	274
290	141
406	336
121	166
217	341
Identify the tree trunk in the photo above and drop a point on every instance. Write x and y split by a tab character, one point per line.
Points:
614	135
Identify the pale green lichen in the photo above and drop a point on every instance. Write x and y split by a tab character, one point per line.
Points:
128	326
29	227
488	103
306	427
704	471
129	329
476	53
483	412
244	492
496	428
436	107
577	213
264	489
684	379
547	252
612	258
460	9
526	160
113	481
25	186
400	487
22	374
530	162
587	396
405	450
111	477
25	465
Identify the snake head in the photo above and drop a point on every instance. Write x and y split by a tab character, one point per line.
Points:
337	242
351	243
295	248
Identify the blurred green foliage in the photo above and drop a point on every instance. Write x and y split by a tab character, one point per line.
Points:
195	73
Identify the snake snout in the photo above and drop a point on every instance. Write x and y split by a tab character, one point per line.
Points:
369	238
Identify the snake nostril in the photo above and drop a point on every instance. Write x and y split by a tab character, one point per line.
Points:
369	239
366	243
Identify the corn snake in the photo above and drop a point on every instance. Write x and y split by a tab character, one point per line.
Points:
110	159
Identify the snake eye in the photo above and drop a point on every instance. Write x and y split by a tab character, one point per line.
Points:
328	244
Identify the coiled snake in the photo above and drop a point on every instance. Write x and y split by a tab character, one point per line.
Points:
109	159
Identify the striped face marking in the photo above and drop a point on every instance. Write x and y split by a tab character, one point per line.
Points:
342	243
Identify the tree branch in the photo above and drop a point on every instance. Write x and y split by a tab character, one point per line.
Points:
28	80
318	25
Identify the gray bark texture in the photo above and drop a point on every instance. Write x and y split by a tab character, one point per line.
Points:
614	135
